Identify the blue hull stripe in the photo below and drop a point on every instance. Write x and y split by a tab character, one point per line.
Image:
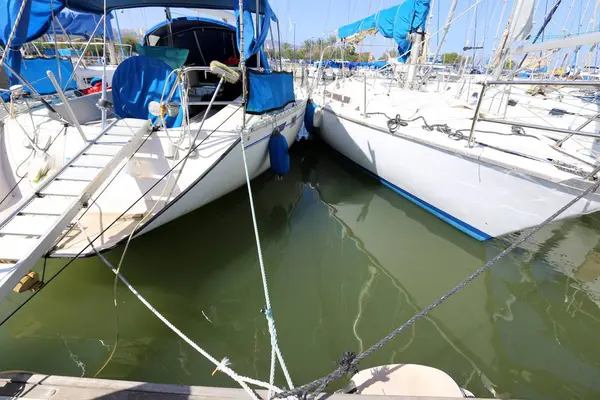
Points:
258	141
455	222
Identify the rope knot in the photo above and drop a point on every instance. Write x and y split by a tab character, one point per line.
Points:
346	362
267	311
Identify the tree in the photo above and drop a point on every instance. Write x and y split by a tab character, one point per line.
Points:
451	58
509	64
130	40
388	54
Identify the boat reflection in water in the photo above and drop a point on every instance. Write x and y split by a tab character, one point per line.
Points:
347	262
511	330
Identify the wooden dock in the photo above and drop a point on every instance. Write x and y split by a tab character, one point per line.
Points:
51	387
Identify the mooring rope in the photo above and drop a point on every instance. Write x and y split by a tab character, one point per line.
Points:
241	380
275	350
349	361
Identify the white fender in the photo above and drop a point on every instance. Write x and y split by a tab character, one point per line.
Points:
318	117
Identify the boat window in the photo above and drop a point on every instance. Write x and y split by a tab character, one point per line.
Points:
206	40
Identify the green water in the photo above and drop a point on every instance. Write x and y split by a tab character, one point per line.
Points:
347	261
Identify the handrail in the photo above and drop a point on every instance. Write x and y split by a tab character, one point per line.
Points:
543	82
568	132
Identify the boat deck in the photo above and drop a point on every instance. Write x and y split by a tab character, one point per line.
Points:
498	144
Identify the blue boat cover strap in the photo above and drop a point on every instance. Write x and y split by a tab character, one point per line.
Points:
269	91
139	81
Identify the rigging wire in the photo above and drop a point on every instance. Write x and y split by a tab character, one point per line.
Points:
150	212
116	219
241	380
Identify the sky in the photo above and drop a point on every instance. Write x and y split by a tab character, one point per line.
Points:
318	18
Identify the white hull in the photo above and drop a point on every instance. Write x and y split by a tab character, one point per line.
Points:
228	173
479	198
143	187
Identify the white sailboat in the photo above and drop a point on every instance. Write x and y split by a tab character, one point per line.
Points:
484	174
109	166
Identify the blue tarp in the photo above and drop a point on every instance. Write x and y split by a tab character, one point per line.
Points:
34	71
252	44
33	24
139	81
394	22
37	15
36	20
51	52
81	24
358	26
269	91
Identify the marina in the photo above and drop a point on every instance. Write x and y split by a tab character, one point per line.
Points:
208	209
348	260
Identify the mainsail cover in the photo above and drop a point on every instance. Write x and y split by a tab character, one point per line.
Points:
395	23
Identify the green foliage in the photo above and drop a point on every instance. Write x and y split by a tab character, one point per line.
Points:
303	51
451	58
388	54
130	40
509	64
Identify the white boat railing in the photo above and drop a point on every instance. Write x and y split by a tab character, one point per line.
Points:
568	132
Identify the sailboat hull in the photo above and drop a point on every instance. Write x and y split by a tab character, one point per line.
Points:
480	199
228	174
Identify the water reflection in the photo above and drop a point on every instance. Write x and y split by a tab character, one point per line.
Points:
347	262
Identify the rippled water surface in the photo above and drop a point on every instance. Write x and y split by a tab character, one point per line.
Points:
347	261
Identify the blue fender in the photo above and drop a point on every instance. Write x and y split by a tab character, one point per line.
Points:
278	153
309	117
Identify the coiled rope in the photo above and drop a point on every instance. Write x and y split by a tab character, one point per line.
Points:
349	361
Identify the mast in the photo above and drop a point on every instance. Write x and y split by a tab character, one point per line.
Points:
446	29
257	30
119	35
242	63
168	18
103	98
440	43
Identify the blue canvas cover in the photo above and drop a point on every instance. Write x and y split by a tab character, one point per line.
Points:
253	44
139	81
394	22
358	26
33	23
37	16
269	91
34	71
81	24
